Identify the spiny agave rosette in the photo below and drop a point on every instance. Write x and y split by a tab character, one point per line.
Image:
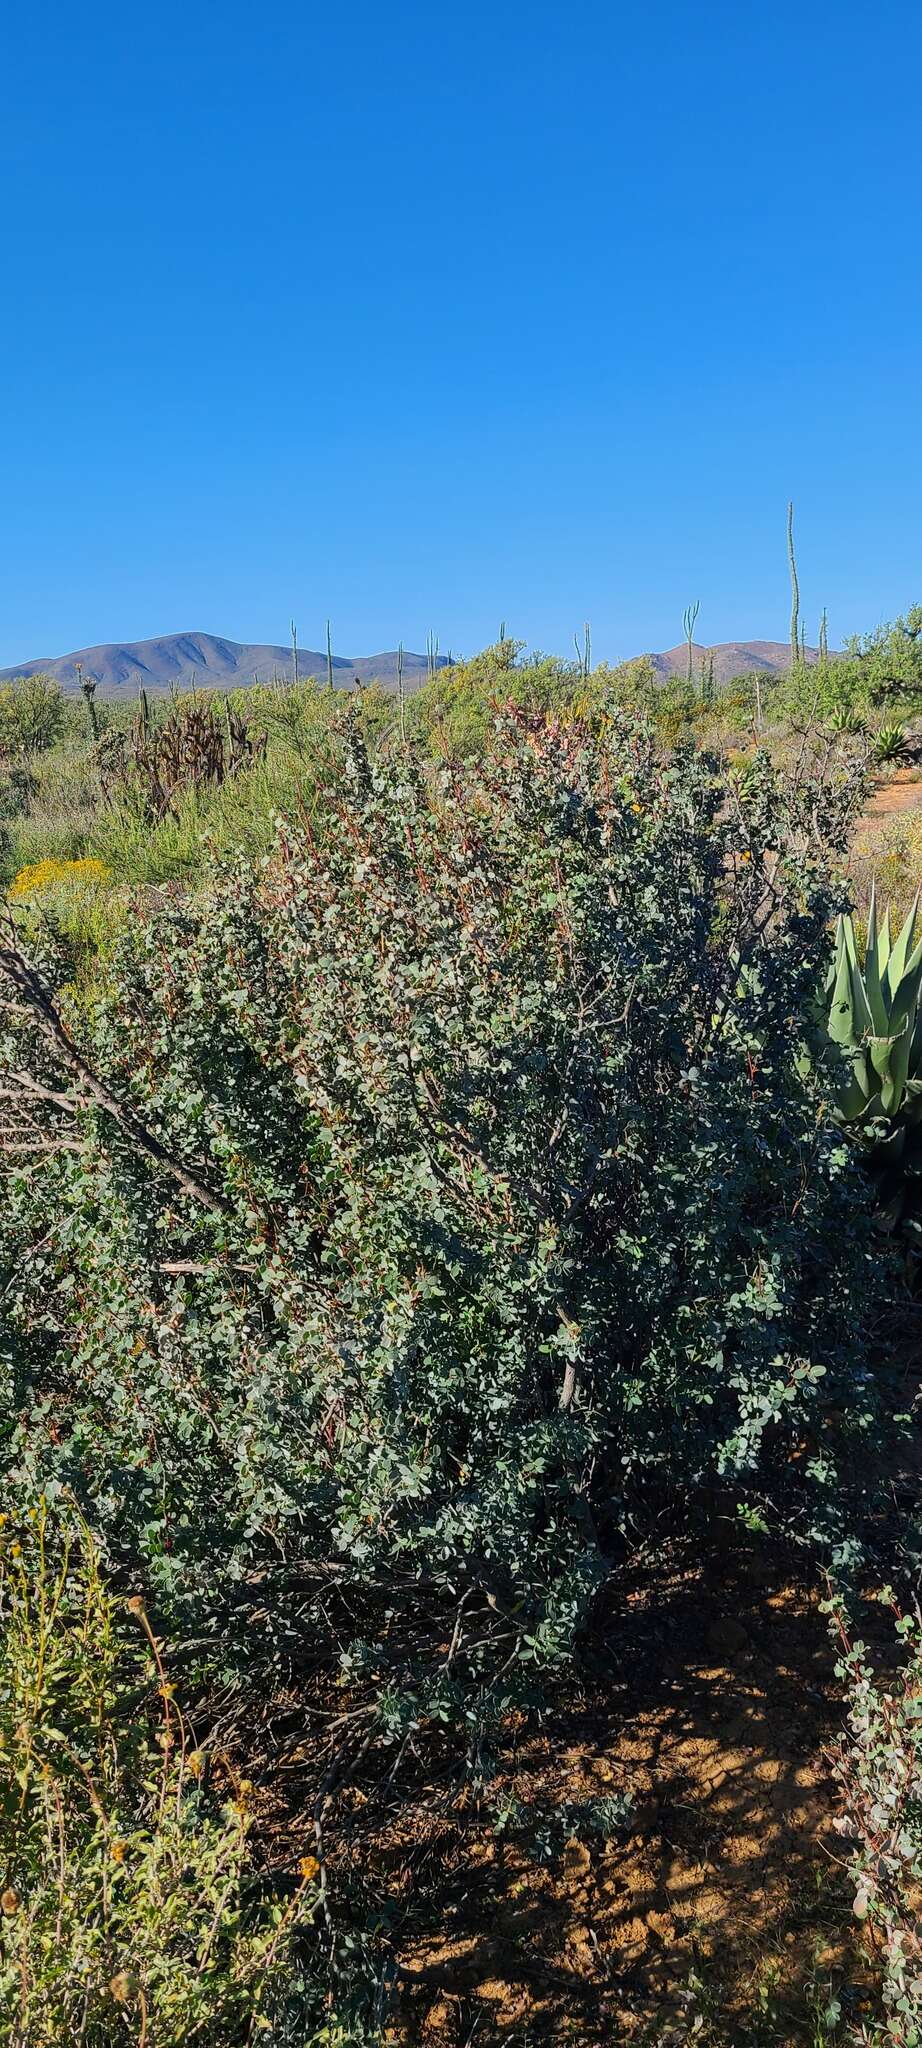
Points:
875	1019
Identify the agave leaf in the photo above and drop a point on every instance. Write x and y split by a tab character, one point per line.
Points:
880	1053
883	944
899	1065
852	1101
842	1026
862	1019
904	1002
874	990
847	936
891	1095
872	920
858	1090
900	950
868	1012
915	1051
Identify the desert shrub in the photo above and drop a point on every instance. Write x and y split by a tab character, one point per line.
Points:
514	1229
889	660
200	743
454	714
208	827
737	700
887	853
31	715
129	1908
304	719
39	876
294	737
67	778
69	911
58	794
174	849
17	787
878	1767
878	669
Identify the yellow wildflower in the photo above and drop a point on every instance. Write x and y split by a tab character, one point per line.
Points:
118	1852
309	1866
49	873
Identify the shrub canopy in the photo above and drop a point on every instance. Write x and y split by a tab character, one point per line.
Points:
526	1231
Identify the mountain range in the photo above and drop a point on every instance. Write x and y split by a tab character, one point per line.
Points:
732	658
179	660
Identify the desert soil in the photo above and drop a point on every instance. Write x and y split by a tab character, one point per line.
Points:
717	1910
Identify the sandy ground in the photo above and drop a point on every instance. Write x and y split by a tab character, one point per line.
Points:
715	1911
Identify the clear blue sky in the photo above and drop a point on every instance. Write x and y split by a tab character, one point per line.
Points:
424	316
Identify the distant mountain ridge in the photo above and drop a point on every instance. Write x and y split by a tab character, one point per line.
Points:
732	658
178	660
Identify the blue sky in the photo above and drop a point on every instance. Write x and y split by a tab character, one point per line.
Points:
418	317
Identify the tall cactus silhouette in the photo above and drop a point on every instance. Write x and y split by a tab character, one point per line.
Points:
88	686
401	697
795	591
689	617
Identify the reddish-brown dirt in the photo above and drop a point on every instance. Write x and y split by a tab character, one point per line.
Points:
895	795
717	1907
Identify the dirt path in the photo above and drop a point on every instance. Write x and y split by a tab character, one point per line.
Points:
567	1925
894	796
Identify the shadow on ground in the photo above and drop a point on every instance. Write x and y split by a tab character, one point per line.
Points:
712	1720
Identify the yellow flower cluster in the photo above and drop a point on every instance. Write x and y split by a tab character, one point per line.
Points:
46	874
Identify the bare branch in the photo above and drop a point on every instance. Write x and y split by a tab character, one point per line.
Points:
38	1001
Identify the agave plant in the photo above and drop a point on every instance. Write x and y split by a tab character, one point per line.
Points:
889	744
874	1019
846	722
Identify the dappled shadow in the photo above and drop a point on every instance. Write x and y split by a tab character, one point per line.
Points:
711	1718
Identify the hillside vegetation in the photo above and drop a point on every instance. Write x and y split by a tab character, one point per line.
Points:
459	1321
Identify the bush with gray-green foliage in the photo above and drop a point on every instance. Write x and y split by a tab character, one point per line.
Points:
878	1769
527	1240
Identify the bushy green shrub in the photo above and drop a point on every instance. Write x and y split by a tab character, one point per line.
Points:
526	1233
882	668
878	1768
455	712
31	715
128	1908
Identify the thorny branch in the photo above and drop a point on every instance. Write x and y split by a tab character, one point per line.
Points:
38	1002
